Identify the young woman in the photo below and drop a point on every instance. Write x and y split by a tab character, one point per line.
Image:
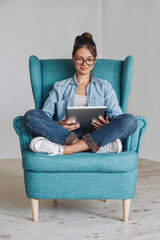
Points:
61	136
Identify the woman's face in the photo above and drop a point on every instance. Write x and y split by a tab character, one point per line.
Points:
82	66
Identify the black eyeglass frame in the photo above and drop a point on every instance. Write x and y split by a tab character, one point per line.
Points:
83	60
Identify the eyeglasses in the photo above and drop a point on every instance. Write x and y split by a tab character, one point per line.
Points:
89	61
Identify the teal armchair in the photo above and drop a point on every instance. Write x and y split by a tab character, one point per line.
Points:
82	175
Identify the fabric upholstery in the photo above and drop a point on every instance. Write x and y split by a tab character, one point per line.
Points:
80	162
80	185
133	141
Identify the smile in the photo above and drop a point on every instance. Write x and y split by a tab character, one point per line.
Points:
84	68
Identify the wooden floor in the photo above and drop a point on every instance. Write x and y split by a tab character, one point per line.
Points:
79	219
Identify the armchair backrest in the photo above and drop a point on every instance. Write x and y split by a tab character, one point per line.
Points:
44	73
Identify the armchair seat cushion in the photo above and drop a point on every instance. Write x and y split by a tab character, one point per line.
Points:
80	162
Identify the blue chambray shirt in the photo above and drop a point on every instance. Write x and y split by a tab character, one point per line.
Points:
99	93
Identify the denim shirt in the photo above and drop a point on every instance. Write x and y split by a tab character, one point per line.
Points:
99	93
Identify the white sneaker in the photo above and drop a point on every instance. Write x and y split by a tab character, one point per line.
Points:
43	145
113	147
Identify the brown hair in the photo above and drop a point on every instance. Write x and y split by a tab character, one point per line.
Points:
85	40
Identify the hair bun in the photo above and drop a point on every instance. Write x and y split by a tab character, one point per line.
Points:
84	35
87	35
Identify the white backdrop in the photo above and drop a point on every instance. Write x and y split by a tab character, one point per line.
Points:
133	27
48	28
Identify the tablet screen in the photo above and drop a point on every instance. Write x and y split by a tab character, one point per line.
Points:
84	115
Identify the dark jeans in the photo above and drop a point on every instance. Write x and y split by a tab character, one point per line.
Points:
40	124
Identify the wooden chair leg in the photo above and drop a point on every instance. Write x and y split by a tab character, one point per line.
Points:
34	206
126	209
106	202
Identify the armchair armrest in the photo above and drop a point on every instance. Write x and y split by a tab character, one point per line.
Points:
132	143
24	135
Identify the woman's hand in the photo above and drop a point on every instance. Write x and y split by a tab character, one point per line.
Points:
98	123
69	124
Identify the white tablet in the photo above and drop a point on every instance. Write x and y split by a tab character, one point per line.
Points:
84	115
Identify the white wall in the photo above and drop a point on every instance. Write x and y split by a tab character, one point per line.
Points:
132	27
48	28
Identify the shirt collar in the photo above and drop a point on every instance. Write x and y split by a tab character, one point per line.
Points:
74	79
